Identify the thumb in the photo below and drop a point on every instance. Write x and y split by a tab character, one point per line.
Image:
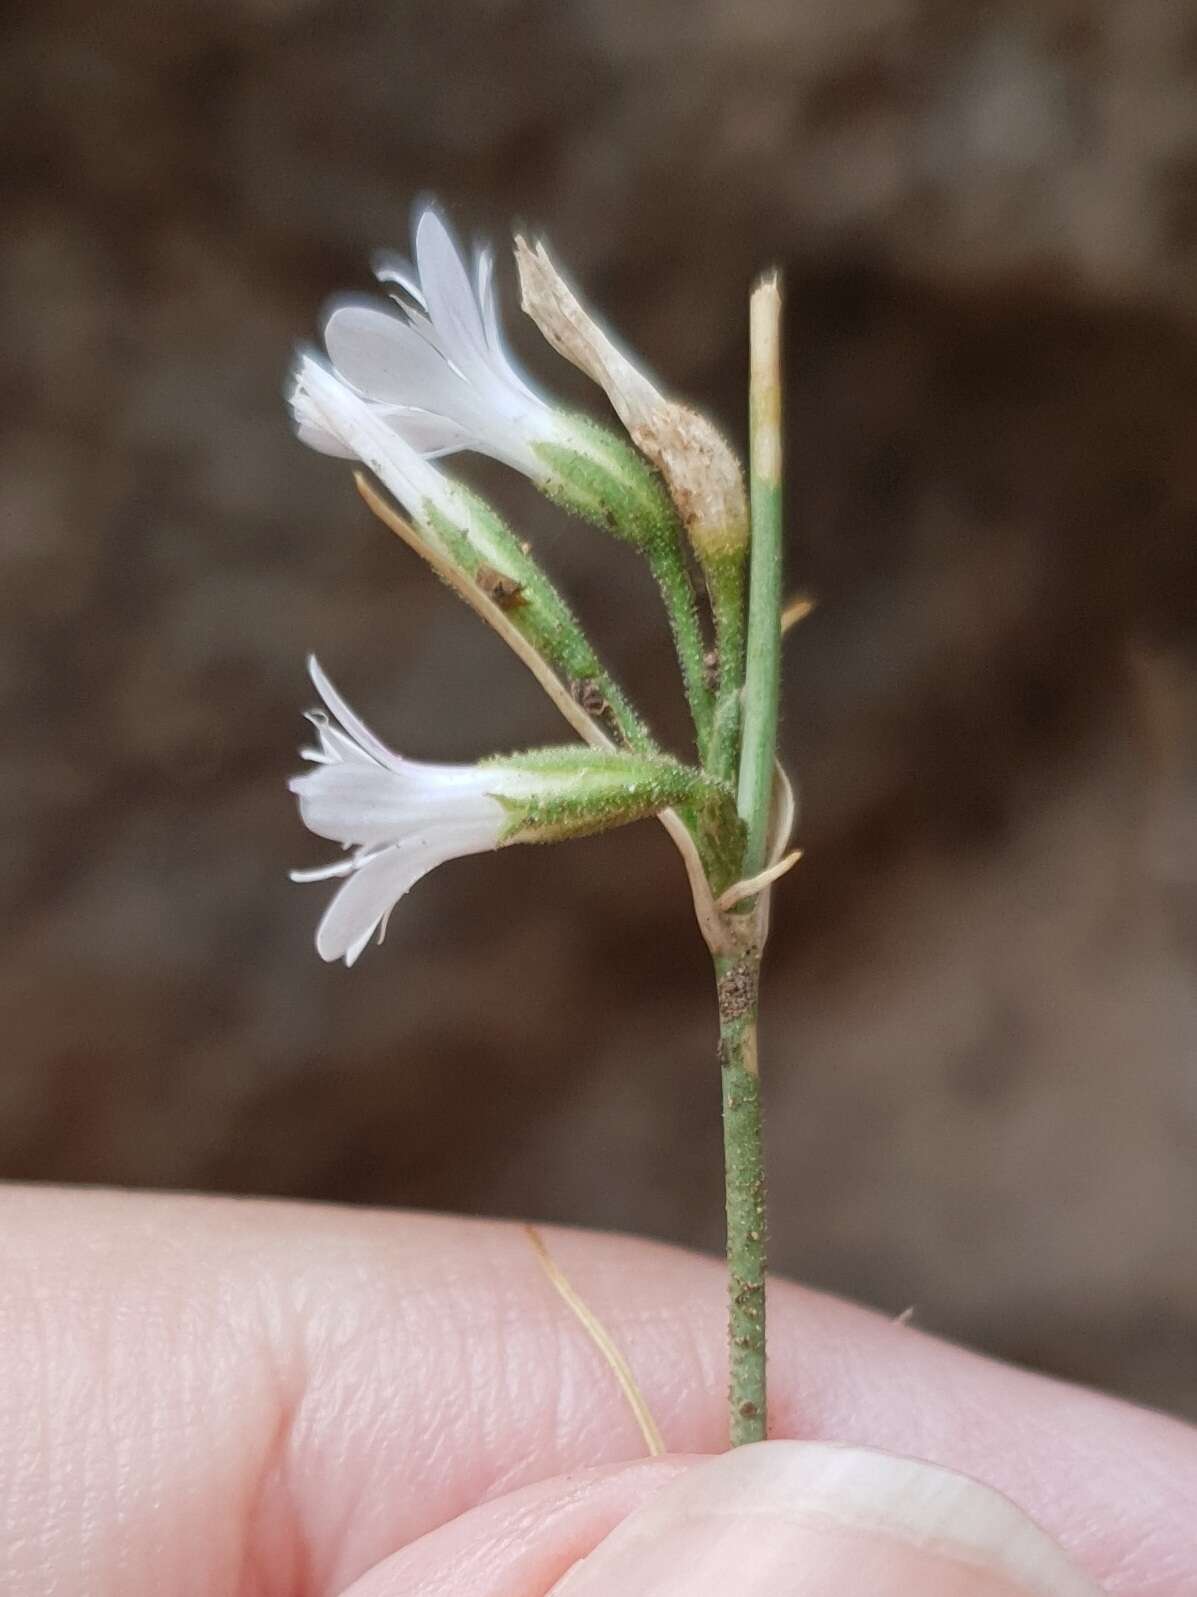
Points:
801	1519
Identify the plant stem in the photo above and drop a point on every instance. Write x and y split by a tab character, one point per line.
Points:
725	584
738	976
744	1174
758	750
668	565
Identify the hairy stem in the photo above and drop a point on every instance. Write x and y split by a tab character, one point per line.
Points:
710	921
668	565
744	1174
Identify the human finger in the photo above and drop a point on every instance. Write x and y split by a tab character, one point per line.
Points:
194	1390
801	1519
520	1545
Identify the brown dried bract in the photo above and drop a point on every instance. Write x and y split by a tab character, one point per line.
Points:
699	466
702	473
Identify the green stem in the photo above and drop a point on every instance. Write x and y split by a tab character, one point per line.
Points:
744	1174
758	753
668	565
739	977
540	613
598	476
725	585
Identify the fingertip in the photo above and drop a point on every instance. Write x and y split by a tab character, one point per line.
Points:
801	1519
520	1545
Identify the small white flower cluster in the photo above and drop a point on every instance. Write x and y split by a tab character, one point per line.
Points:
399	385
402	384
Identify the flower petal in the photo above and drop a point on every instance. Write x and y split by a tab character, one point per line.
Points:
369	806
324	873
381	355
501	359
391	267
359	804
353	724
449	296
318	392
365	900
336	747
433	372
310	427
431	435
484	277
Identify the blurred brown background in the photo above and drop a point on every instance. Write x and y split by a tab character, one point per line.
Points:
982	1012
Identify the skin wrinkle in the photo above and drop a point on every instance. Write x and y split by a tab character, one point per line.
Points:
655	1338
345	1339
273	1563
335	1437
478	1374
535	1388
675	1350
214	1347
820	1509
533	1523
378	1457
507	1353
276	1556
484	1391
577	1367
572	1424
90	1381
54	1513
543	1529
566	1366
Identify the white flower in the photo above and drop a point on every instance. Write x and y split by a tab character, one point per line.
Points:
432	375
400	818
323	405
433	366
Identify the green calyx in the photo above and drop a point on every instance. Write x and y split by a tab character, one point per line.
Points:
598	477
606	481
584	791
483	546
